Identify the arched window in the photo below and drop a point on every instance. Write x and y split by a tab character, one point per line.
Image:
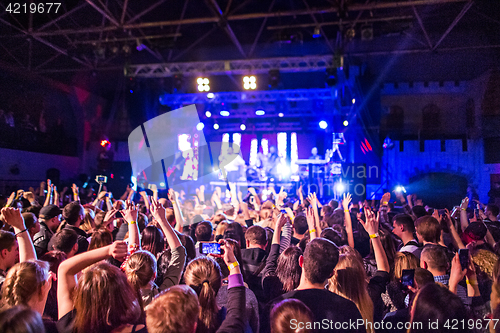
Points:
395	118
431	117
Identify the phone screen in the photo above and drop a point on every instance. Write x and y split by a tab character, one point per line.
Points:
463	255
210	248
407	278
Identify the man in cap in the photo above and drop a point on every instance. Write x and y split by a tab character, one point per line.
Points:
49	221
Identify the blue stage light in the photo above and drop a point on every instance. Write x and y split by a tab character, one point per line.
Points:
323	124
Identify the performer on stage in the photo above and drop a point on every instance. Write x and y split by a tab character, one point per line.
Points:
315	155
272	162
175	170
233	164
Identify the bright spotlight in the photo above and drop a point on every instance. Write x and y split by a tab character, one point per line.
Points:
249	82
280	114
285	171
339	187
210	95
400	189
264	197
162	184
243	127
208	114
323	124
260	112
353	100
224	113
200	126
345	123
216	126
203	84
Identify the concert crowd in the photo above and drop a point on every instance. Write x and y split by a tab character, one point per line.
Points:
284	262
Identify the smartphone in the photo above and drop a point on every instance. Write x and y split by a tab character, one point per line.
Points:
101	179
210	248
463	255
407	278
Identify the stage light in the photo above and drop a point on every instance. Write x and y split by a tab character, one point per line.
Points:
210	95
281	115
224	113
105	143
339	187
131	91
260	112
243	127
203	84
285	171
200	126
317	32
208	114
249	82
400	189
345	123
323	124
216	126
353	100
162	184
264	197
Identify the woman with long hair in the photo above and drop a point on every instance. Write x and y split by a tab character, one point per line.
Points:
394	299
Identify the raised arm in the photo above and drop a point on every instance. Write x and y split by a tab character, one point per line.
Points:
464	220
371	227
56	196
160	216
48	197
130	215
255	196
14	218
347	219
66	276
179	219
74	189
310	223
314	203
145	197
457	242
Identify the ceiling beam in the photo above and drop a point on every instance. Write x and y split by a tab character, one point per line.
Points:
421	23
144	12
103	13
68	13
226	27
454	23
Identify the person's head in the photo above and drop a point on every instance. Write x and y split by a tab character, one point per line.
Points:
9	250
434	259
256	236
319	260
104	300
272	149
21	319
403	224
428	229
436	304
475	231
314	151
235	231
73	213
54	259
285	312
333	235
419	211
100	238
300	224
174	310
88	223
404	260
349	281
492	211
66	240
422	277
288	270
204	276
203	231
333	203
27	283
140	268
31	223
152	240
484	261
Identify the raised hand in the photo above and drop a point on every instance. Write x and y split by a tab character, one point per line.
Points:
228	248
13	217
118	250
385	198
130	212
372	220
29	196
252	191
102	195
465	203
436	215
158	211
280	221
313	199
110	215
171	195
310	218
346	200
74	188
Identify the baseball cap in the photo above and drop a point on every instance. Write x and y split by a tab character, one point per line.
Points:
49	212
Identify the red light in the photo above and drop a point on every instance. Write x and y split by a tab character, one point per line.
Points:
104	143
112	176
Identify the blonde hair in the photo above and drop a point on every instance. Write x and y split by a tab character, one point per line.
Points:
349	281
486	261
140	268
175	310
404	260
204	276
24	280
88	223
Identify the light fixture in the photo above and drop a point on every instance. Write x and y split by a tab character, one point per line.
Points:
208	114
224	113
162	184
210	95
243	127
200	126
345	123
216	126
260	112
317	32
323	124
203	84
339	187
249	82
281	115
353	100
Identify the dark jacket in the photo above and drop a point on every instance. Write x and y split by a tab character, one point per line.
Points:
41	240
254	260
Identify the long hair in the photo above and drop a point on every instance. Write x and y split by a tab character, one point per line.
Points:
140	269
204	276
349	281
283	313
100	238
88	224
289	270
435	303
152	240
404	260
24	281
104	300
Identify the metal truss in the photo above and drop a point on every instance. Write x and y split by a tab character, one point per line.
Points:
238	67
250	96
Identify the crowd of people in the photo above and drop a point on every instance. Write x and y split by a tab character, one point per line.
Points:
290	263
